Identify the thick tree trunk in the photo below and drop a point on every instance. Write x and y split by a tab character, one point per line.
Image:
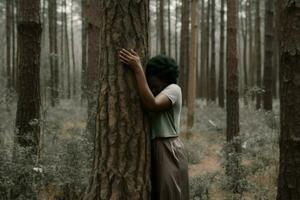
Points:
28	108
289	177
258	54
222	56
162	26
54	92
268	66
122	152
213	54
192	67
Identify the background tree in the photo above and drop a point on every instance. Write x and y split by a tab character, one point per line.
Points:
28	108
222	56
192	67
213	54
268	65
162	26
232	97
122	158
289	180
258	54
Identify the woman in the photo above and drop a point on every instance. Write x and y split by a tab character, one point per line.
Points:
161	96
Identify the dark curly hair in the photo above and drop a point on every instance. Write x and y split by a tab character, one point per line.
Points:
163	67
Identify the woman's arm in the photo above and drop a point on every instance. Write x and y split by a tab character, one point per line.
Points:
159	103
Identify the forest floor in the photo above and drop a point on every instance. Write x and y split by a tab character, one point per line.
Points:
66	151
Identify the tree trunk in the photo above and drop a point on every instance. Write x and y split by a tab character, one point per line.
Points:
122	152
213	54
13	45
93	16
74	85
52	13
268	66
84	51
184	48
276	51
8	43
232	102
169	28
62	53
176	32
67	49
245	45
289	177
203	52
258	54
162	27
208	52
157	27
192	67
28	108
222	56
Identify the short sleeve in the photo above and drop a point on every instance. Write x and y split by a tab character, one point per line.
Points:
173	92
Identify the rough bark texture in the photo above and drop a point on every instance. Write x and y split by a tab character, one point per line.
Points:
162	26
213	54
93	20
289	176
122	144
232	103
54	76
28	108
192	67
184	48
268	65
258	53
222	55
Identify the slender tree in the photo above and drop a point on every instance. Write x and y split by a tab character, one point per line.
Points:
84	51
192	67
268	65
289	177
74	85
258	53
8	43
67	48
208	51
203	52
169	29
184	48
122	155
213	54
162	26
222	56
176	31
54	77
28	108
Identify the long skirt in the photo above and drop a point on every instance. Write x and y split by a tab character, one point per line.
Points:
169	169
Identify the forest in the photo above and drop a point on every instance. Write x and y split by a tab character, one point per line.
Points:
72	122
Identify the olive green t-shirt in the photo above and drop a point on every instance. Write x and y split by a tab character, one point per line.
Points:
166	123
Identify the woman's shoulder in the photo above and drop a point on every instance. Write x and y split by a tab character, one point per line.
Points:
174	86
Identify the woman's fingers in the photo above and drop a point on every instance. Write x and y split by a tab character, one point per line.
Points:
123	58
133	52
126	52
125	55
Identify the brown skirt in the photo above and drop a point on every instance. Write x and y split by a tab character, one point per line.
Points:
169	170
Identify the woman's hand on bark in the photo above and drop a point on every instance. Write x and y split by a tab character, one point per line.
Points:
131	58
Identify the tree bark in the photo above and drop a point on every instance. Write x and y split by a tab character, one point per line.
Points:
162	26
28	108
208	51
184	48
268	65
222	56
8	43
203	52
84	51
213	54
74	85
289	177
192	67
169	28
258	54
176	32
122	152
67	49
54	77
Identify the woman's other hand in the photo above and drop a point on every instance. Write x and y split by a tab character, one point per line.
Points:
131	58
